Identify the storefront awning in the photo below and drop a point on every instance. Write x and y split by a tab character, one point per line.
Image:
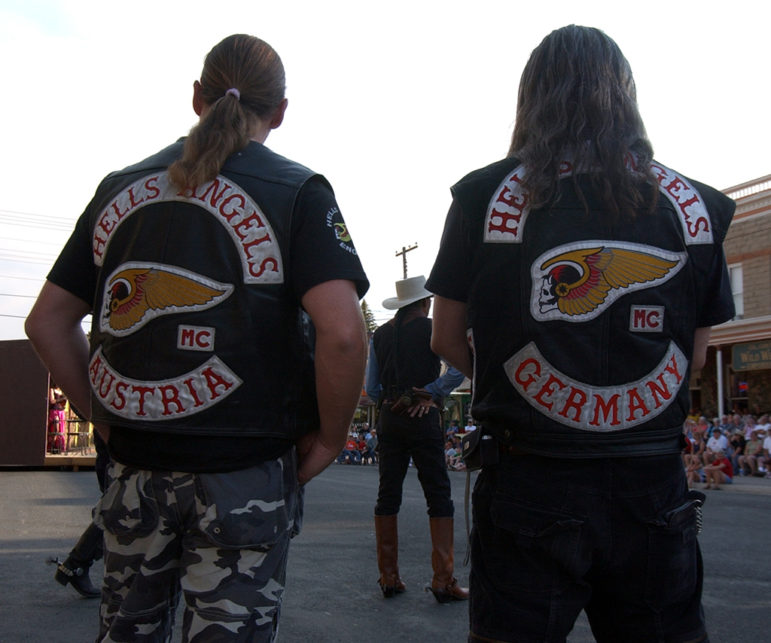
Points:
741	330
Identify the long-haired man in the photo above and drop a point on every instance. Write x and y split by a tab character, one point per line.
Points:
576	283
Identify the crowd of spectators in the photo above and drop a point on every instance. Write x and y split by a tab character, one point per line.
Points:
719	450
361	446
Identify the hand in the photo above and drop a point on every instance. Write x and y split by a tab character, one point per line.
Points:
424	404
314	455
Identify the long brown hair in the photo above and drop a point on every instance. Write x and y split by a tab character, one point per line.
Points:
577	102
253	69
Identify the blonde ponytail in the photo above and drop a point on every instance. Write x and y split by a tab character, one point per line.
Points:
242	82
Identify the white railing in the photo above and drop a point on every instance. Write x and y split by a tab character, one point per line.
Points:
748	190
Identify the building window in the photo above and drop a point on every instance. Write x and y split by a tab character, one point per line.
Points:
737	288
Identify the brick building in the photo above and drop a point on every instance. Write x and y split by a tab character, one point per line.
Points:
739	357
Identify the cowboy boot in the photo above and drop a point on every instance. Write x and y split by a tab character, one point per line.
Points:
74	570
444	586
387	539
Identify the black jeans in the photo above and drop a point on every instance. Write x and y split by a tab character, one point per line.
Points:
399	438
615	537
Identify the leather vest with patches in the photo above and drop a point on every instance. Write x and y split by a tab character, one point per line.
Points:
414	365
195	328
583	329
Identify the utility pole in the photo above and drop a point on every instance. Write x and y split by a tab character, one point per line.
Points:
403	255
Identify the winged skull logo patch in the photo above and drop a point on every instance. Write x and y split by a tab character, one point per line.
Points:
136	293
577	282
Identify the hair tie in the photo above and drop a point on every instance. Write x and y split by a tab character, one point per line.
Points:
234	92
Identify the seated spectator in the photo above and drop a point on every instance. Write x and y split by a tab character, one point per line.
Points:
736	445
749	461
453	429
470	426
766	464
452	457
694	459
717	444
369	454
704	425
689	428
350	453
736	422
718	472
749	426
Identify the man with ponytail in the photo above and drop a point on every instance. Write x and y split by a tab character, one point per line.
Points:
224	362
576	282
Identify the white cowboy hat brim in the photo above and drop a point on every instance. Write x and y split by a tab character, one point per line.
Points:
408	291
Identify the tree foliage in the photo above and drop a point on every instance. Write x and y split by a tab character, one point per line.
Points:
369	318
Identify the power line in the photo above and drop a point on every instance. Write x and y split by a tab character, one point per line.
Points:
8	294
11	252
20	277
41	261
35	215
33	241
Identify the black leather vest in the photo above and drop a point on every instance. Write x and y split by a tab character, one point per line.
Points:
417	364
583	329
195	329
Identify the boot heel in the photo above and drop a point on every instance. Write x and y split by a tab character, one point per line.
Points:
388	591
449	594
440	595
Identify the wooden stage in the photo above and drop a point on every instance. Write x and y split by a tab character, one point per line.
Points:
72	461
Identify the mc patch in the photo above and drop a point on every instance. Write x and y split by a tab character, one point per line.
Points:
646	319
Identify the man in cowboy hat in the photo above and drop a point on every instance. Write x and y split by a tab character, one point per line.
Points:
403	375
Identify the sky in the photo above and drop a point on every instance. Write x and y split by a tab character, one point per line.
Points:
392	102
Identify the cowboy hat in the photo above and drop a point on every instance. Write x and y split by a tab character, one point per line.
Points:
407	291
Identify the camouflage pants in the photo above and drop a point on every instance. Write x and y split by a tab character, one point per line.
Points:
221	539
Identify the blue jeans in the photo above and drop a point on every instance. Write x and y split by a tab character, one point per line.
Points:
614	537
354	457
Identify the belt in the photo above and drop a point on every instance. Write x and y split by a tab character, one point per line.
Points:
507	449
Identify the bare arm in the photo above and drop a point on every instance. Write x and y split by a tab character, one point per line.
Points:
448	338
54	328
700	342
341	347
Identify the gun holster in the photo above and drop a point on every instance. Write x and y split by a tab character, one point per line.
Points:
479	449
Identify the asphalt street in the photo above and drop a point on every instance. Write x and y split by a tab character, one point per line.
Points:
332	593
